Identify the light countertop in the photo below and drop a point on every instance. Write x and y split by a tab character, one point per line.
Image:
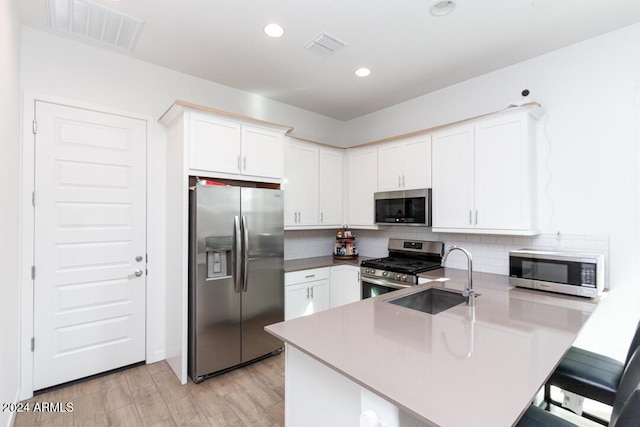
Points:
483	364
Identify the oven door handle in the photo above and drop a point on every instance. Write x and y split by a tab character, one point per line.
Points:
384	283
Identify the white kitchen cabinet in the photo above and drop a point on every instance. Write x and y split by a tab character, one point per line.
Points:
306	292
405	164
261	152
330	187
227	146
345	285
362	182
300	184
483	175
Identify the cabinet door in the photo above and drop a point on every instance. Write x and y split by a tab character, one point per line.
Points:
320	295
300	185
261	152
362	179
352	288
416	163
297	301
502	173
452	170
214	144
337	286
330	185
289	186
390	167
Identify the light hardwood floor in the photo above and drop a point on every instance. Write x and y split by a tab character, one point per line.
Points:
150	395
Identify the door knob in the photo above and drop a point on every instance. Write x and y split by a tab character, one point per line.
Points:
139	258
136	273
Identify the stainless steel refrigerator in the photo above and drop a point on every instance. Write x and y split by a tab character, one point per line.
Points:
236	276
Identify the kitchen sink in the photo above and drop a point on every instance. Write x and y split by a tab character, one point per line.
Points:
431	300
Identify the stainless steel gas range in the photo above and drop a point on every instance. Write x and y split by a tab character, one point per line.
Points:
407	258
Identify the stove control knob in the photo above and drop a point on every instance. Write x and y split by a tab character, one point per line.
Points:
397	277
385	273
403	278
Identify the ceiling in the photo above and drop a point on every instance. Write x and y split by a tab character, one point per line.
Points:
409	51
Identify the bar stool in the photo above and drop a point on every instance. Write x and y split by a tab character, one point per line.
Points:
590	374
626	404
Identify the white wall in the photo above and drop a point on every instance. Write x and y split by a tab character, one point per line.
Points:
9	204
55	65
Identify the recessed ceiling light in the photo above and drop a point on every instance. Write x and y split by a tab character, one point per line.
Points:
442	8
274	30
363	72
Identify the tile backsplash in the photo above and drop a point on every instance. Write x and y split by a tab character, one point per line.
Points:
490	252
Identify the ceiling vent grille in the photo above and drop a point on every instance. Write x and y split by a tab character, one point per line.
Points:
325	45
95	22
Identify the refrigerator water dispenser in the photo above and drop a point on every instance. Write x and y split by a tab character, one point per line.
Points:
218	253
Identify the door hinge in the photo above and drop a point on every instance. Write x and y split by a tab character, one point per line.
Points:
35	127
33	343
33	272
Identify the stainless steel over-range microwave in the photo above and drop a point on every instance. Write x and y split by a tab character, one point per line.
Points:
407	207
564	272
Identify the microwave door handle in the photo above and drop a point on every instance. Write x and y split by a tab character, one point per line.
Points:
245	253
237	273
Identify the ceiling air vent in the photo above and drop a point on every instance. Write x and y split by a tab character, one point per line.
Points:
95	22
325	45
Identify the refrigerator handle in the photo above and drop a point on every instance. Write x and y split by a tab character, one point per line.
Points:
245	253
237	273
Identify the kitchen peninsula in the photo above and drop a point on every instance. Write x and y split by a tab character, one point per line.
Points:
372	360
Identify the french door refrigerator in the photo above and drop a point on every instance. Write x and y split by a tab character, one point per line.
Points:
236	276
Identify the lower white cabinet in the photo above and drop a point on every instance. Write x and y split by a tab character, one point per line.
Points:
310	291
306	292
345	285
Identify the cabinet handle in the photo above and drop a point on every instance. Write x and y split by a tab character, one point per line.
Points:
307	292
245	162
403	180
238	163
309	276
311	292
399	181
470	217
321	216
476	217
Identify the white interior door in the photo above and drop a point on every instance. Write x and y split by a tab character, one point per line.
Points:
90	243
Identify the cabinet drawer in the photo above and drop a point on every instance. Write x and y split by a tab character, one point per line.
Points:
303	276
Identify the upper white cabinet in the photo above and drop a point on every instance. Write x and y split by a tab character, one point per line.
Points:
405	164
330	187
312	186
483	176
300	184
362	182
218	144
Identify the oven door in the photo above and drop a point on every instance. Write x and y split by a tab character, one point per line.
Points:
372	287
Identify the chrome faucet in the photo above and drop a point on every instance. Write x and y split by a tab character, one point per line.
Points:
468	291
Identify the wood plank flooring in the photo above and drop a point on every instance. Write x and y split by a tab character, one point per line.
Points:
150	395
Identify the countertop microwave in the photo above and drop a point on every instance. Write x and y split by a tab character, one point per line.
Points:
571	273
407	207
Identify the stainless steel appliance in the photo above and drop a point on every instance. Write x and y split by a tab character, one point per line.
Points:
564	272
410	207
407	258
236	276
